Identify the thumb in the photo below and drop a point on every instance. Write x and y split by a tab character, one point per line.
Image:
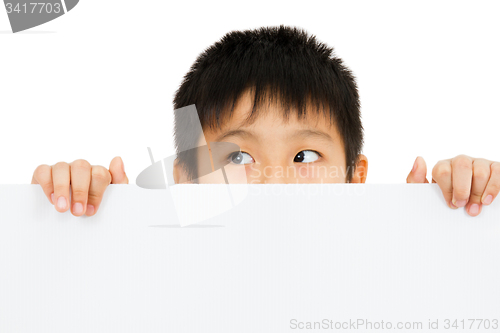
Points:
117	170
418	173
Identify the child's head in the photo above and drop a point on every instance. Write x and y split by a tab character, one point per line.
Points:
284	99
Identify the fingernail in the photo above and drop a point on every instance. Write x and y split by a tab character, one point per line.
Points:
414	165
460	203
61	203
52	198
90	210
474	209
488	200
452	206
78	208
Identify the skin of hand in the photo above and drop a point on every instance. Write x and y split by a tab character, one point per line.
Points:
465	181
88	183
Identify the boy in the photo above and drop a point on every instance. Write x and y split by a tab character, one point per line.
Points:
293	109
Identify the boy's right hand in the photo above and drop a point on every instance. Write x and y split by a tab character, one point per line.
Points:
88	183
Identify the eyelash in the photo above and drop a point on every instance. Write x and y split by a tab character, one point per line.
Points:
320	156
317	152
231	155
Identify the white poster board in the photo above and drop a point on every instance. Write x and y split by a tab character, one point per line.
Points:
288	257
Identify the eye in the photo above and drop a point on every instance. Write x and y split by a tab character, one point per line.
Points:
306	156
240	157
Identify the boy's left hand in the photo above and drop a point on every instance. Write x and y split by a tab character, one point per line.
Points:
465	181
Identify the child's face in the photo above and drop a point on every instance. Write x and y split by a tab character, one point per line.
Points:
309	150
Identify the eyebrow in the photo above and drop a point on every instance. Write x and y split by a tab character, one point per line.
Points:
313	133
237	133
301	134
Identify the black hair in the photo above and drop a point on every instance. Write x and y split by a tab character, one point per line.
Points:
278	63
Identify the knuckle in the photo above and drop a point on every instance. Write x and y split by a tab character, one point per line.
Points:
61	165
461	193
441	170
79	192
101	174
80	164
61	188
481	174
476	195
463	156
495	168
494	187
482	161
462	162
43	171
95	197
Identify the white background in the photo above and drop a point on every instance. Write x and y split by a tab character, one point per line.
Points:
99	81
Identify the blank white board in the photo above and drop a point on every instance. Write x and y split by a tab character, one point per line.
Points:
286	257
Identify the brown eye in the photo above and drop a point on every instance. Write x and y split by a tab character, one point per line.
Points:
306	156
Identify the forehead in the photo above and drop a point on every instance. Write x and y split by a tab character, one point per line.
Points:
271	116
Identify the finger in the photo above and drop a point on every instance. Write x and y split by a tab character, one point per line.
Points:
117	170
493	186
441	174
61	180
480	177
419	172
101	178
43	176
80	184
461	168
